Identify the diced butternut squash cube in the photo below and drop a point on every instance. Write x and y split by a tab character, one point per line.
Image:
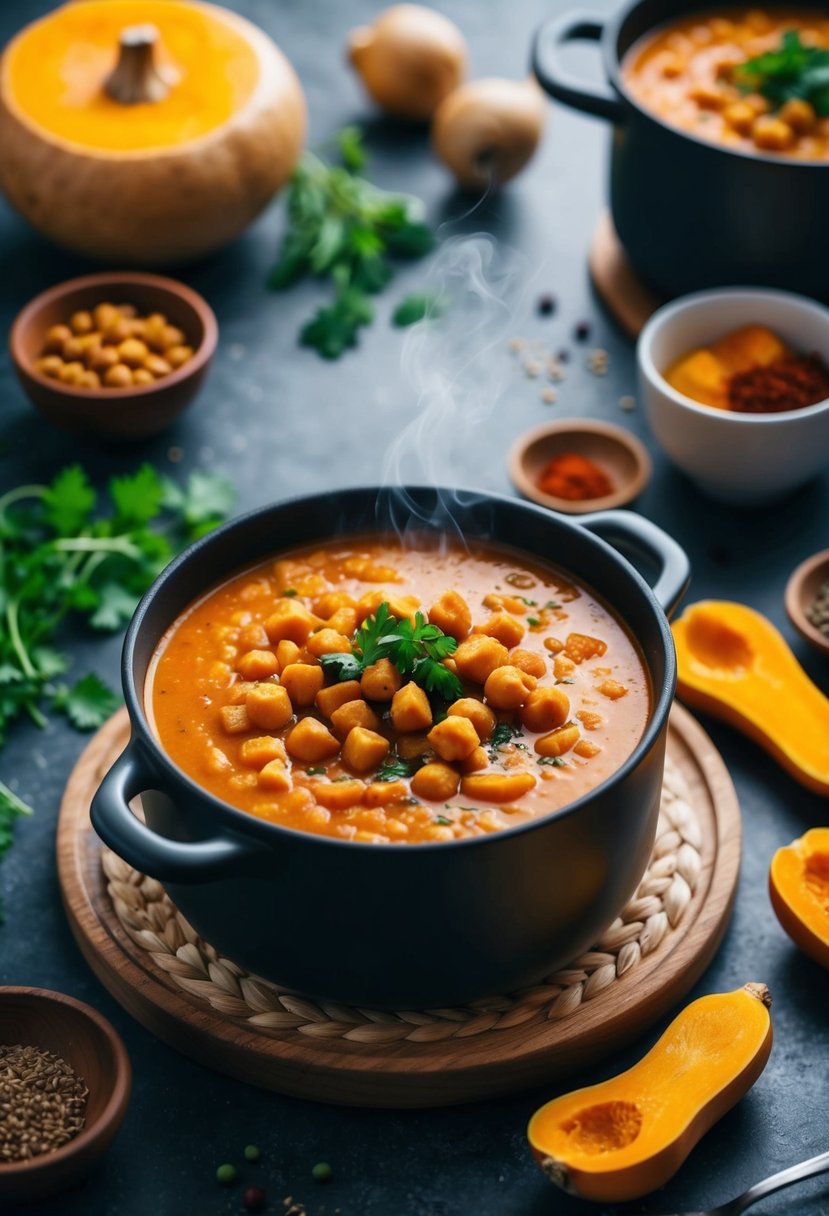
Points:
581	646
216	762
338	795
380	793
558	741
331	698
327	641
287	652
508	687
235	720
368	604
554	645
454	738
258	665
326	605
589	720
545	708
748	347
344	621
291	620
451	614
302	682
612	689
351	714
403	607
366	570
586	748
504	627
528	660
475	761
435	782
563	668
497	787
702	376
311	741
380	680
260	751
274	777
478	656
410	708
480	715
269	706
409	747
364	749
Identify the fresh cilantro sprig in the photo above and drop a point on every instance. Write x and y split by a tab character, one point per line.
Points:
417	651
11	808
794	71
342	227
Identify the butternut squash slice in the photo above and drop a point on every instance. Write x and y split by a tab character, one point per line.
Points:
799	890
627	1136
733	663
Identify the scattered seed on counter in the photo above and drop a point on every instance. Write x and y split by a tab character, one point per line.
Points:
533	368
547	305
598	361
252	1153
174	455
226	1174
42	1102
818	611
627	403
563	355
322	1172
549	396
555	370
582	331
516	345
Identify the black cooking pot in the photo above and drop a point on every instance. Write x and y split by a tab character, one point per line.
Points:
692	214
406	926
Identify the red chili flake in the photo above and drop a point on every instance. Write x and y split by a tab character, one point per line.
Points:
254	1199
789	384
582	331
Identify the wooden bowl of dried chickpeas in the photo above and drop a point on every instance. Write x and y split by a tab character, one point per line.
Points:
116	354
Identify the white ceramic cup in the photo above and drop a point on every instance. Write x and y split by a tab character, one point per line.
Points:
738	458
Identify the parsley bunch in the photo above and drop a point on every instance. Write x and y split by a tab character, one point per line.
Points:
344	228
795	71
416	650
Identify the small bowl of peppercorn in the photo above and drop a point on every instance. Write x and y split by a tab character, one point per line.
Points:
578	465
807	600
735	384
117	355
65	1082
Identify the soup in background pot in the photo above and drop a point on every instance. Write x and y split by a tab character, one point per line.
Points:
381	694
691	74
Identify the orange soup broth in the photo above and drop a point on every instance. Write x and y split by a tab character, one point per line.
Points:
195	674
680	73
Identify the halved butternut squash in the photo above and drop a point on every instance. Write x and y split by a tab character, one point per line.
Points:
627	1136
733	663
799	890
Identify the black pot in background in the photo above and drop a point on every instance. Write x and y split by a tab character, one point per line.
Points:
692	214
405	926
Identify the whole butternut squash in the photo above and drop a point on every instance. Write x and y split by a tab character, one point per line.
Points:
799	891
627	1136
732	662
145	131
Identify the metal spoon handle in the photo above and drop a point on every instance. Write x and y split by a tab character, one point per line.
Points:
815	1165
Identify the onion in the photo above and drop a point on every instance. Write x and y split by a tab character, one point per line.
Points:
486	131
409	60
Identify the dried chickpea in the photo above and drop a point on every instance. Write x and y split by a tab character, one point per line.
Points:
545	708
740	116
508	687
772	134
142	376
89	380
56	335
81	322
70	373
73	349
177	356
800	116
105	314
117	331
133	352
118	376
50	366
102	358
157	366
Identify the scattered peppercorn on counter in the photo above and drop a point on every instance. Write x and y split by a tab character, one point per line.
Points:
378	694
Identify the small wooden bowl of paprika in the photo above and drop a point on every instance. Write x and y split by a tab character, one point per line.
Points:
579	465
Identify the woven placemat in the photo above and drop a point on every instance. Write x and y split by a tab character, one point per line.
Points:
154	924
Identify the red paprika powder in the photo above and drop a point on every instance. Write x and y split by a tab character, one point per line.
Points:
572	476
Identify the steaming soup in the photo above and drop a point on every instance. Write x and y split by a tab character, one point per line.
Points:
690	73
377	694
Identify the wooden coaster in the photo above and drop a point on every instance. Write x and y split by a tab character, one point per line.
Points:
156	966
628	300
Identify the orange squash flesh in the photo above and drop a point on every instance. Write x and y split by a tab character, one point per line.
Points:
625	1137
799	891
734	664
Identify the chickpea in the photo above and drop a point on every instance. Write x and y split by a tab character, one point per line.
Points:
104	315
740	116
177	356
530	662
157	366
133	352
81	322
118	376
102	359
89	380
116	332
772	134
70	373
800	116
55	338
142	376
545	708
508	687
708	96
170	336
50	366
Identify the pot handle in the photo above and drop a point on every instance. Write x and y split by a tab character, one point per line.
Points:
636	532
555	80
162	858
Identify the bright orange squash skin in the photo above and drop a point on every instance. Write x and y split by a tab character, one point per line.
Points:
799	892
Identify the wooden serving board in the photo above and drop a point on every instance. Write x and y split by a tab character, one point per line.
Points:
627	299
204	1006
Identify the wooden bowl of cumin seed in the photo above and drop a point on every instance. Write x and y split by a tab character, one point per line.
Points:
65	1081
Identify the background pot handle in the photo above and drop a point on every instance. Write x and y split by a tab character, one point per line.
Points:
158	856
555	80
635	532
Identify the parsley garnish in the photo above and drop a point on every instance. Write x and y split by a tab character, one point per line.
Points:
443	821
533	620
344	228
290	591
60	557
11	808
417	306
552	604
392	770
319	770
556	761
795	71
416	650
504	733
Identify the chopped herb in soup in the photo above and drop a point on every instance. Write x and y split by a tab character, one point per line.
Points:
752	79
381	694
